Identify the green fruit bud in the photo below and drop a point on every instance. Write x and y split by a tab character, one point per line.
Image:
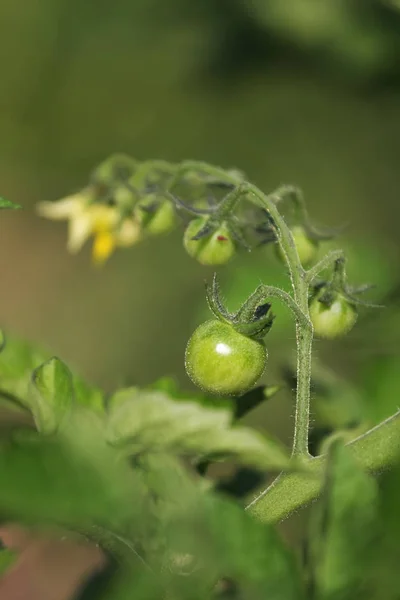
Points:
156	216
217	248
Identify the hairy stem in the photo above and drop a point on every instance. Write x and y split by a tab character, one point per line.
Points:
375	450
190	166
326	262
304	333
304	339
264	292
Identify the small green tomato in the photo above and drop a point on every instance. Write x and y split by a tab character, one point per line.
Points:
306	247
214	249
222	361
156	222
332	321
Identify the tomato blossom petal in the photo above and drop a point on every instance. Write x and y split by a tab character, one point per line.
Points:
61	209
79	231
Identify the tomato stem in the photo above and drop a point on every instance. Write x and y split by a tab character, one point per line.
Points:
264	292
326	262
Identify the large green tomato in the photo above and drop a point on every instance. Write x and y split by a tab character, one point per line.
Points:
332	321
214	249
307	248
222	361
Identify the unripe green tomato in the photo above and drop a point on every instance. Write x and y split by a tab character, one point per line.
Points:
332	321
214	249
162	220
307	248
222	361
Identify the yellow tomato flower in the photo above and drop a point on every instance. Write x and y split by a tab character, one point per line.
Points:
87	219
103	246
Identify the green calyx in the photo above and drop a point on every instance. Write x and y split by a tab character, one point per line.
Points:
338	286
253	319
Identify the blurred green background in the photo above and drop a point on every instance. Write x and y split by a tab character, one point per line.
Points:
290	91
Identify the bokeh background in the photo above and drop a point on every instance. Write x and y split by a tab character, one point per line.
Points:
289	91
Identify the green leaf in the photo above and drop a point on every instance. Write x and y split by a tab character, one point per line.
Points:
125	584
17	361
8	204
51	395
343	528
74	480
226	543
142	420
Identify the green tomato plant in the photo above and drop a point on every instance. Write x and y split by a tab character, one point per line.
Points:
109	468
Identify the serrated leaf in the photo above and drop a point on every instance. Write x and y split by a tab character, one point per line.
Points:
8	204
343	528
51	395
142	420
